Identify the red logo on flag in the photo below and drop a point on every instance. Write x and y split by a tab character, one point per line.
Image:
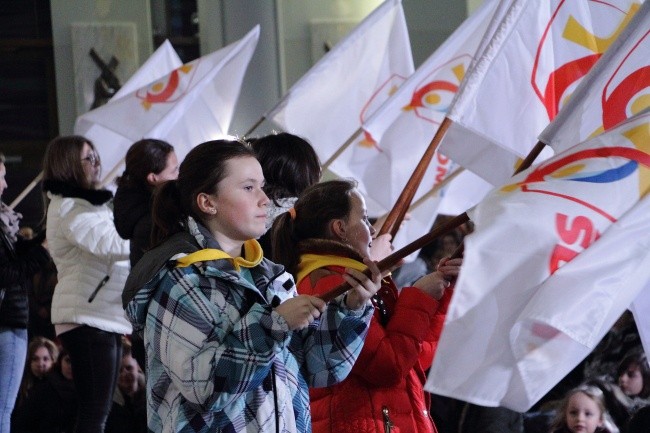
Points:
574	47
170	88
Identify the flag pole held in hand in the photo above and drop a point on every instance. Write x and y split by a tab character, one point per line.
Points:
398	255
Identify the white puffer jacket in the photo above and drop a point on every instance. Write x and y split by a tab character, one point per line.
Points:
85	246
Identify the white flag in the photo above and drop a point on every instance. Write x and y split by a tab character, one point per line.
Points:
556	257
192	104
398	133
329	103
617	87
537	56
640	308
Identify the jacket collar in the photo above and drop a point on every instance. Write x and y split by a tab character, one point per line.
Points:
93	196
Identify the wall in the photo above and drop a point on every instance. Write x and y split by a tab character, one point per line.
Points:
283	53
66	12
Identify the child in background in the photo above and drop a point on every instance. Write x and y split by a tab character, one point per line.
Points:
582	411
326	234
230	346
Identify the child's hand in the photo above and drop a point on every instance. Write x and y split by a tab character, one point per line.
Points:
381	247
450	268
363	287
433	284
301	310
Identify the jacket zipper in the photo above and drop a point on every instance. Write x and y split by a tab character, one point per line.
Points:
275	399
388	424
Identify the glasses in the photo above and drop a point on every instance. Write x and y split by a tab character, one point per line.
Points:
92	159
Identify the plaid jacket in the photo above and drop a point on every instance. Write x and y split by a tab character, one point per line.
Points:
219	359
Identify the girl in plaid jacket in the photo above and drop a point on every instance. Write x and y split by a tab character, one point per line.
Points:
230	345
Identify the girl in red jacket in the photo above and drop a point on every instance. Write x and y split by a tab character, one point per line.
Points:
326	232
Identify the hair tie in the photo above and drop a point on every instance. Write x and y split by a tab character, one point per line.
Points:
292	213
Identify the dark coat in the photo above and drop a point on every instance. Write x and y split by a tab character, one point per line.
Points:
132	216
51	407
18	264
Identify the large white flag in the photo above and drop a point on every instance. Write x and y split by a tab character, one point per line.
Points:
330	102
640	308
191	104
617	87
397	134
537	56
556	257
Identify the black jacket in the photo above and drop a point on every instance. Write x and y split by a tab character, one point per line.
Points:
18	264
132	216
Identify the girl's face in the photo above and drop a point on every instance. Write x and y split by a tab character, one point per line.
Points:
66	367
91	165
41	362
170	172
241	205
3	182
631	381
583	414
358	229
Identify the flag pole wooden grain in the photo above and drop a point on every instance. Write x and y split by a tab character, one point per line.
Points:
341	149
397	213
26	191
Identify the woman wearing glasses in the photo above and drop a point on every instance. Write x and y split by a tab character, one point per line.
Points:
92	263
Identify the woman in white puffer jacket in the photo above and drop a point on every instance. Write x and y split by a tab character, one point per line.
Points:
92	264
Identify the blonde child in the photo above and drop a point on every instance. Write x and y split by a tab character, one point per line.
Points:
582	411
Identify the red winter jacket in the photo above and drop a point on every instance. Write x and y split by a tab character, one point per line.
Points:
386	382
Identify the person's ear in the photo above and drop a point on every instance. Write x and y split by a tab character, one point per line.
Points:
152	178
339	229
206	203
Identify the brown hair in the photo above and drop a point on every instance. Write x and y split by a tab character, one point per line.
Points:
316	207
62	160
289	162
200	172
28	377
143	157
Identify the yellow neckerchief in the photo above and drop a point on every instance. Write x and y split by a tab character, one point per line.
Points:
311	262
252	256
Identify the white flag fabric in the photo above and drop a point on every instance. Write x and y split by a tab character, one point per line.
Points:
556	257
538	54
398	133
160	63
191	104
329	103
617	87
640	308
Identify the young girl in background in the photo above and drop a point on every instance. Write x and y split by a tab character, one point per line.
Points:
325	234
582	411
230	346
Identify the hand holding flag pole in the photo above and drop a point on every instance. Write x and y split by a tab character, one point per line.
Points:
392	260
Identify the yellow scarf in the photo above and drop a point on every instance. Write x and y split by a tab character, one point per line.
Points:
252	256
311	262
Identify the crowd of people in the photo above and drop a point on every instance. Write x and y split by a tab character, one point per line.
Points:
200	299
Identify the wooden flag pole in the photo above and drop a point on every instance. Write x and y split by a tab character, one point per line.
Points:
340	150
392	260
112	174
396	215
530	158
26	191
254	127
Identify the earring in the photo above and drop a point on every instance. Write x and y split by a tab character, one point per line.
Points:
213	211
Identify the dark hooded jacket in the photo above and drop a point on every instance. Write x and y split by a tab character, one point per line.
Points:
132	216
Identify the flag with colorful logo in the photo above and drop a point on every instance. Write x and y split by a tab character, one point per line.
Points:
557	255
191	104
396	135
617	87
525	75
331	101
